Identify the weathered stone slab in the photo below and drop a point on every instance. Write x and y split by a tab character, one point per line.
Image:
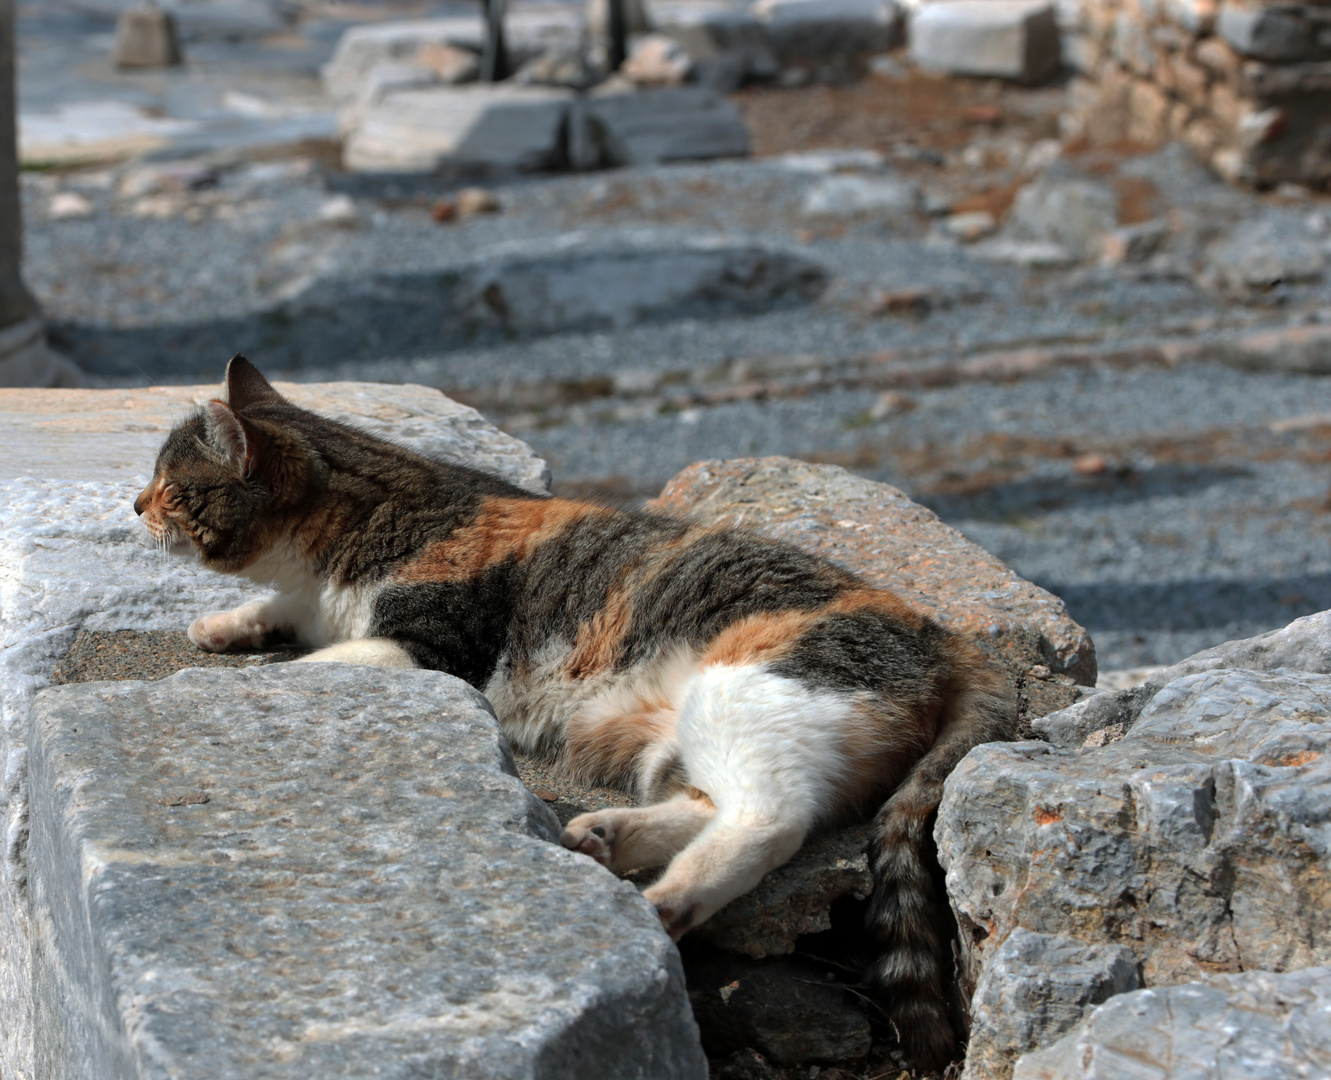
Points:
1198	840
581	280
1256	1025
717	35
812	30
480	126
312	871
651	126
1007	39
362	48
1036	988
1303	645
74	557
897	544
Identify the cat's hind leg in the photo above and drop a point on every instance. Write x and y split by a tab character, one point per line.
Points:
374	652
770	752
625	838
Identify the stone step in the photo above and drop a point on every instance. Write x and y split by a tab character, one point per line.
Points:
303	870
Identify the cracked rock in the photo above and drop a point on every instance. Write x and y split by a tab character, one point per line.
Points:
1258	1025
1198	840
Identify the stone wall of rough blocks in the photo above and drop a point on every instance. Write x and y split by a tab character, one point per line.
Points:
1246	84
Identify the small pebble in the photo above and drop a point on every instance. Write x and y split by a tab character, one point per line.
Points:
339	210
472	201
66	205
1090	465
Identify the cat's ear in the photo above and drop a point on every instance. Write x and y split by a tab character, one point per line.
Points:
245	386
241	442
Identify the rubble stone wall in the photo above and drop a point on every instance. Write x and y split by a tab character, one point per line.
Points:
1246	84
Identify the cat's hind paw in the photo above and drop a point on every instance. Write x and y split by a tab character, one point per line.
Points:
591	834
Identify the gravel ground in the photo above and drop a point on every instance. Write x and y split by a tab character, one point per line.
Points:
1171	506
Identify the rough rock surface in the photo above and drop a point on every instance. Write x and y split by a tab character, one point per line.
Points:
299	870
1304	645
897	544
1036	988
796	899
1072	213
1198	840
1257	1025
582	281
74	557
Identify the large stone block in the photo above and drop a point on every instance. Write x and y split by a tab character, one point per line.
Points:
812	30
360	49
1281	34
719	36
578	280
488	127
650	126
1198	839
302	871
75	558
1256	1025
1007	39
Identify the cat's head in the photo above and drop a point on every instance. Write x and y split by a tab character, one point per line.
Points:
227	475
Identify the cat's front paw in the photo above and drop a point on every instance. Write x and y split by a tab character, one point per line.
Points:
240	628
591	834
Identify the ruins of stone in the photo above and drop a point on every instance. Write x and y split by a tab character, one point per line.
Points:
1143	872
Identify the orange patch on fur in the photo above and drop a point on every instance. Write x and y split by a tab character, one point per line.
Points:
756	639
598	640
698	795
608	750
503	529
1047	817
880	600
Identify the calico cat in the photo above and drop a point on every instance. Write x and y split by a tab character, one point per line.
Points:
747	692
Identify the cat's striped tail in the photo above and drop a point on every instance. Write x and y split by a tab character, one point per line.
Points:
908	913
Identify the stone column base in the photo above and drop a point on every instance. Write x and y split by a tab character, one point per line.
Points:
27	360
